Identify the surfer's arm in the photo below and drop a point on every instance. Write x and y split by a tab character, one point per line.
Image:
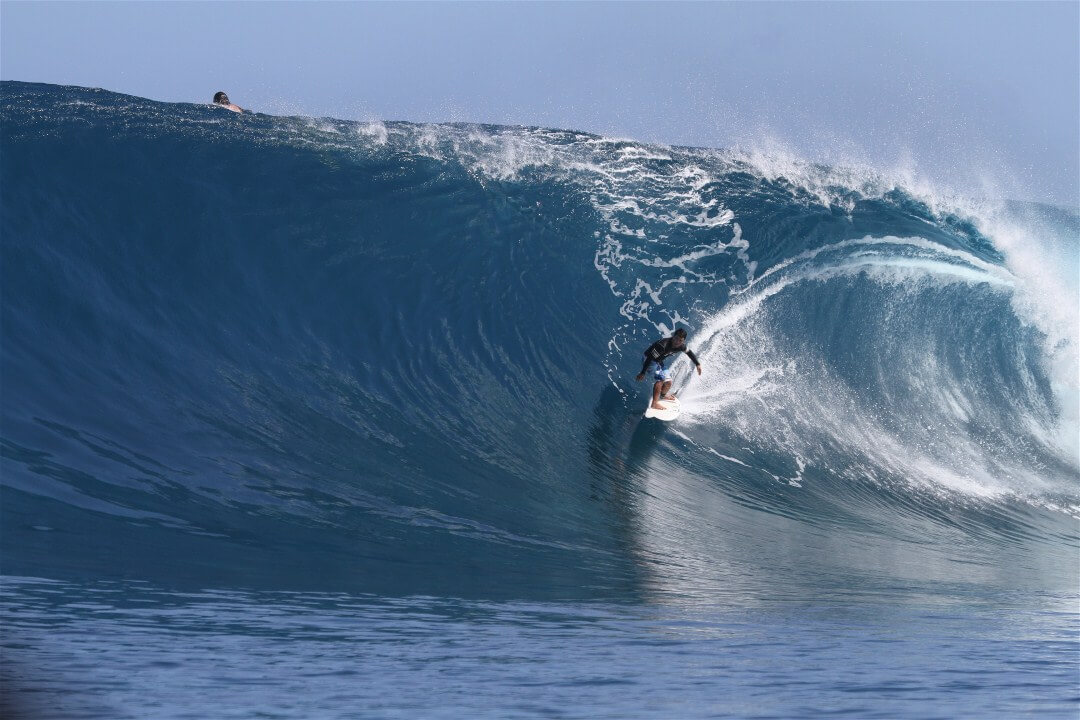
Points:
693	358
651	354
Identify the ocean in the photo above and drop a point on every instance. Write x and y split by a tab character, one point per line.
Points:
304	417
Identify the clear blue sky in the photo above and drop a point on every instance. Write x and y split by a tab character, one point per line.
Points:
964	92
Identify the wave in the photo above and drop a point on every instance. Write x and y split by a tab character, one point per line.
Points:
312	352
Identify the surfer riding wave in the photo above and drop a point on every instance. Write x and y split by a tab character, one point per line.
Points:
657	353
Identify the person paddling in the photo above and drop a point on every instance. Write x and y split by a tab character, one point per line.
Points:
657	353
220	98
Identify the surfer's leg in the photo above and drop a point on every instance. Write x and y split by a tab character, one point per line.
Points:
661	386
664	391
656	396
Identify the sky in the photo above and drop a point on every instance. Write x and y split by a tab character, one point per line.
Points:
978	97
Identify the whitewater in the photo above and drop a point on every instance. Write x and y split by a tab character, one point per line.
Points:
304	417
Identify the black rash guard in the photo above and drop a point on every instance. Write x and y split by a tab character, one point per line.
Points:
662	349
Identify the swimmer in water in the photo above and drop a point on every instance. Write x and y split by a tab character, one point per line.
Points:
220	98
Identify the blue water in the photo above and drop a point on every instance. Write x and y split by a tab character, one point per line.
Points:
313	418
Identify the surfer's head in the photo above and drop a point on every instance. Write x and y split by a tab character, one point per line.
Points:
220	98
679	336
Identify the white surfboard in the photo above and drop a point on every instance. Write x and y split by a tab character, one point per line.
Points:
669	413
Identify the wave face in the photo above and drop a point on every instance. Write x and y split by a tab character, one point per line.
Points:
399	358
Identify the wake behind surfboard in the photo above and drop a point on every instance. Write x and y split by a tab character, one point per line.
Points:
669	413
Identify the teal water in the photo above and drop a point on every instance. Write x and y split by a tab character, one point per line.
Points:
304	417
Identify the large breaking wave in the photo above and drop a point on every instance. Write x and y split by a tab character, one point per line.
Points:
396	357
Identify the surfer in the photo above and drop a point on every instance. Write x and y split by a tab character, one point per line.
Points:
220	98
657	353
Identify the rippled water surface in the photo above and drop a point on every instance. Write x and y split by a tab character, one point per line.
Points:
126	650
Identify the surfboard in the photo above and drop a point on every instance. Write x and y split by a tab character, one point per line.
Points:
669	413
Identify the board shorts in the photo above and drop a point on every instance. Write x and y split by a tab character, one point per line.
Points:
661	374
